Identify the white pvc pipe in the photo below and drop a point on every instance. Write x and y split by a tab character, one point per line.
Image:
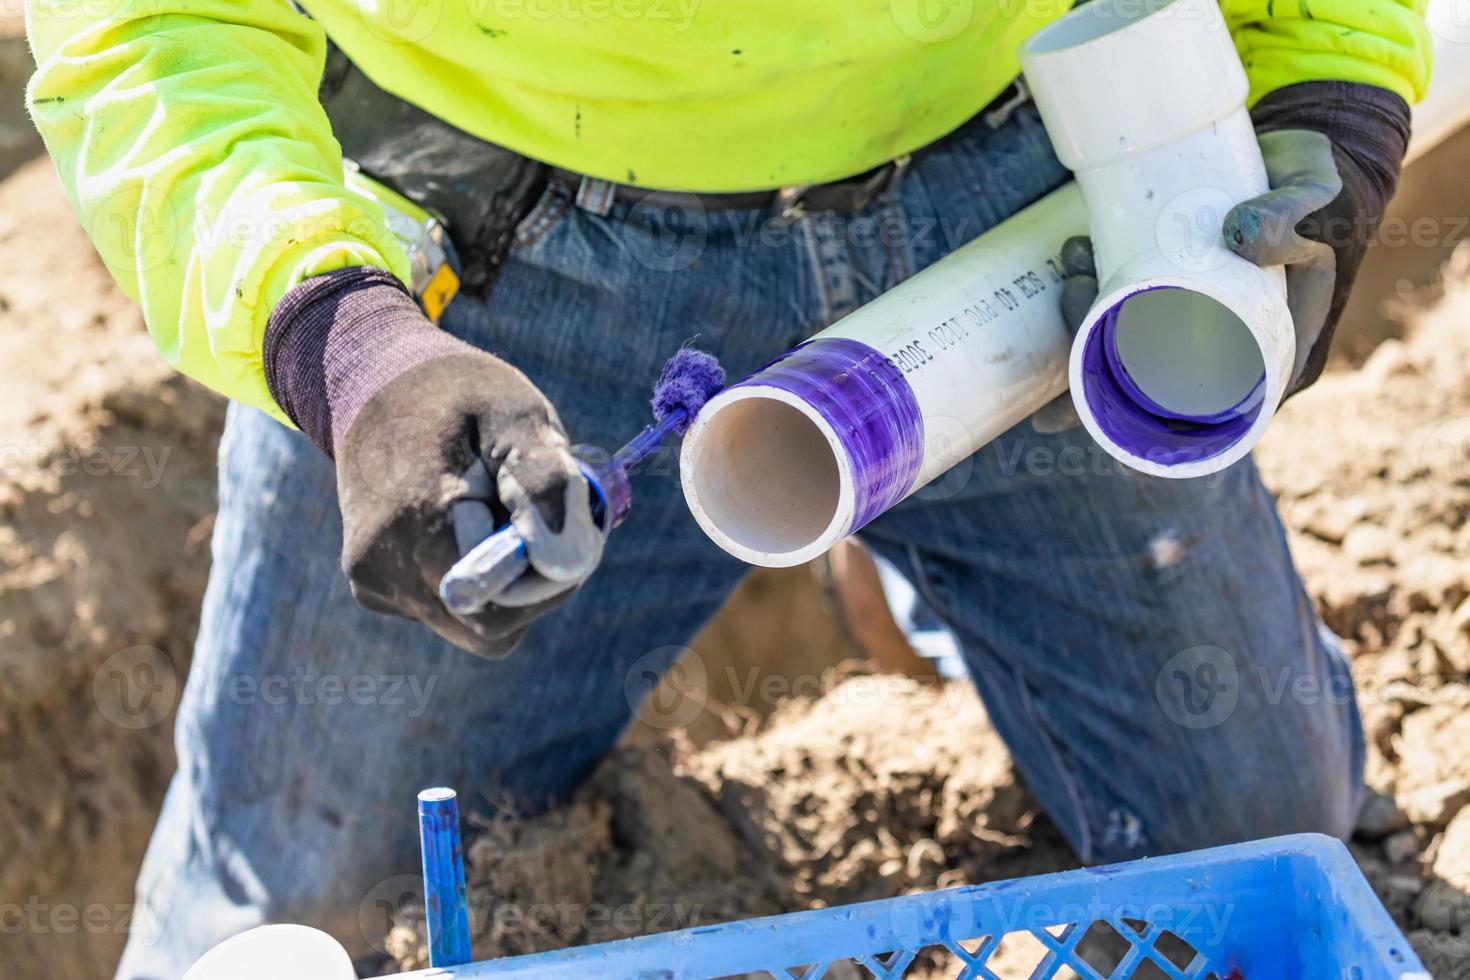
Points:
781	466
1185	356
774	483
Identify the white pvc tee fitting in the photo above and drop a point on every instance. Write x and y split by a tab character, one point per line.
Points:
1184	358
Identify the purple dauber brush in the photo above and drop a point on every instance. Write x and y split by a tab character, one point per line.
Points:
689	379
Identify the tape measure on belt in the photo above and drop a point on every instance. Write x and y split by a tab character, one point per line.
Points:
432	276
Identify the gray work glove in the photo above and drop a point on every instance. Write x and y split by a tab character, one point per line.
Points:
480	445
1079	292
1332	151
436	444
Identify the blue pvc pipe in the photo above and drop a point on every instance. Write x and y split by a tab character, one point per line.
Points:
444	900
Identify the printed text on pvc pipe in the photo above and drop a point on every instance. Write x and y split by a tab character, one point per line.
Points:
951	332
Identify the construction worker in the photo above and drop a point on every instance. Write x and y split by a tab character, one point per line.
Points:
613	178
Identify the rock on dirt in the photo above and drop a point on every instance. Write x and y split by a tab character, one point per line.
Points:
846	814
1444	908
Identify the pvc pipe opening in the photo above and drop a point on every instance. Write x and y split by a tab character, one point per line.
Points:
767	483
1092	21
1173	376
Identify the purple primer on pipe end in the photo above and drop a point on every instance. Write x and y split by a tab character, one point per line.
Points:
870	406
1139	424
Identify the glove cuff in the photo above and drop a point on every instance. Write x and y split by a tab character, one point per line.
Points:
1367	124
334	340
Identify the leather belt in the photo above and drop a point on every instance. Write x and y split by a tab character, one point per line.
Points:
847	195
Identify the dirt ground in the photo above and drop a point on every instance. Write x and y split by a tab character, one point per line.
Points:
827	787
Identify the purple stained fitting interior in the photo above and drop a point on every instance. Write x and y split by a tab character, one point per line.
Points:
869	404
1140	425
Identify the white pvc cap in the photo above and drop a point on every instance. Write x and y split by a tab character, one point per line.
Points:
278	952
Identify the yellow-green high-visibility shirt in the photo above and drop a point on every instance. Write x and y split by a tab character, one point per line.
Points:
189	136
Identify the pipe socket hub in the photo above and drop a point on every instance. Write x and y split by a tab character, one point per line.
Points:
1181	363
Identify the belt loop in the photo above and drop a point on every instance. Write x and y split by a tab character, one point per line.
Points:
1004	105
596	196
899	167
789	203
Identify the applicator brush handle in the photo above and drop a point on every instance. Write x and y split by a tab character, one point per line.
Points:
689	379
484	572
490	567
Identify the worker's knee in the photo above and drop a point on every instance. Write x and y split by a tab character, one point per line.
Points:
1271	792
1279	749
1226	810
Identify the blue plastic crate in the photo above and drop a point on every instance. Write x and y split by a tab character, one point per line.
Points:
1291	907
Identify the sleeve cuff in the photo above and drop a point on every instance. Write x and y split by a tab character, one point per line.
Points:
334	340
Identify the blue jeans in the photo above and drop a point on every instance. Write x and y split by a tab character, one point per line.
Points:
1143	645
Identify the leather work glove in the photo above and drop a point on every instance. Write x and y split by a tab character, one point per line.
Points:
436	444
1333	151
